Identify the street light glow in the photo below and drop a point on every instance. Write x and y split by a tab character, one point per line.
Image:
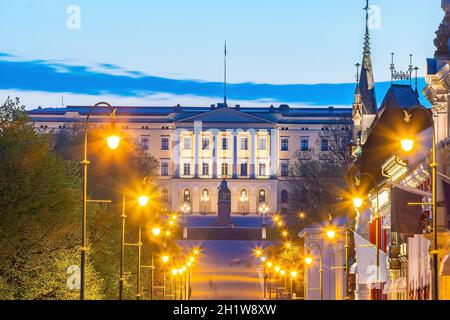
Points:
165	259
331	233
293	274
174	272
407	144
357	202
113	142
143	200
308	260
156	231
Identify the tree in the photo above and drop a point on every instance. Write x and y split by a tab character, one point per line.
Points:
39	214
317	177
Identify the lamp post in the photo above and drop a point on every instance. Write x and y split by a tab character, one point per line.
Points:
243	199
309	260
407	145
155	232
357	202
174	277
263	209
164	260
185	208
113	142
269	266
293	277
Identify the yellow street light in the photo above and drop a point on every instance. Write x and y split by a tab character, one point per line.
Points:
113	142
174	272
280	223
282	272
407	144
276	218
184	268
277	269
196	252
189	264
293	274
156	231
331	233
284	233
180	271
302	215
263	259
269	264
357	202
143	200
165	259
287	245
168	233
258	252
308	260
191	259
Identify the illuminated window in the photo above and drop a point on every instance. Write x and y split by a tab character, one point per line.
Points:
244	143
262	196
164	168
205	168
186	196
262	143
164	143
187	169
187	143
144	142
224	169
284	144
262	169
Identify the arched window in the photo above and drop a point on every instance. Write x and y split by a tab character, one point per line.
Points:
205	201
243	201
186	196
262	196
284	196
164	195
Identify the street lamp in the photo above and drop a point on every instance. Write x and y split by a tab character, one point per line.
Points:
309	260
143	201
174	275
243	199
113	142
185	208
263	209
331	233
407	145
293	277
164	260
358	201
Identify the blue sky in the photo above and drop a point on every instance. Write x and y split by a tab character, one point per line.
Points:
171	51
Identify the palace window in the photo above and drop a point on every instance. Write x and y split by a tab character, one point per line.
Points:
187	169
284	144
186	196
284	196
244	143
224	169
324	144
262	143
164	195
262	196
187	143
205	143
262	169
164	143
144	142
224	143
284	169
244	169
164	168
304	144
205	168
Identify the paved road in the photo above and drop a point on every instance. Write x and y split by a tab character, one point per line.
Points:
239	221
226	270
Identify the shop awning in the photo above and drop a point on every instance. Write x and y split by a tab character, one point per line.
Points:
445	266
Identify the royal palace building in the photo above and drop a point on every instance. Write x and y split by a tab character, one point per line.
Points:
196	147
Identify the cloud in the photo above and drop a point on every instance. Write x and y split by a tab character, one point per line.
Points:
111	80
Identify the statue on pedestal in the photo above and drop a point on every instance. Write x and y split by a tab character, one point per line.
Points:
223	205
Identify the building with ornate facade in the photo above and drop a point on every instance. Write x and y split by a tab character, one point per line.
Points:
196	147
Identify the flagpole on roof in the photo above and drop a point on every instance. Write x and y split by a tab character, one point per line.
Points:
225	74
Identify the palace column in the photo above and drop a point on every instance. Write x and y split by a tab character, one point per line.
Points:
273	152
252	153
215	153
176	153
235	151
197	148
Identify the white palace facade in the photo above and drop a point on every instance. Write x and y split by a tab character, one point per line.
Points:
197	147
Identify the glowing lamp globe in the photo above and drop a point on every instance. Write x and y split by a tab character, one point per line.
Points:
113	142
357	202
143	200
308	260
407	144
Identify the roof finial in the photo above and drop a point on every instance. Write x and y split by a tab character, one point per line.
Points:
357	73
417	91
225	74
392	68
367	35
410	69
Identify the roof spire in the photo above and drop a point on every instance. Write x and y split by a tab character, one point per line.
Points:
225	74
367	34
366	81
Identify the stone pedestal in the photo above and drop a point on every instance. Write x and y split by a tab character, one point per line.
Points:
223	206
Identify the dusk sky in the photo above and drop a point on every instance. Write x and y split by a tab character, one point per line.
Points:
168	52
